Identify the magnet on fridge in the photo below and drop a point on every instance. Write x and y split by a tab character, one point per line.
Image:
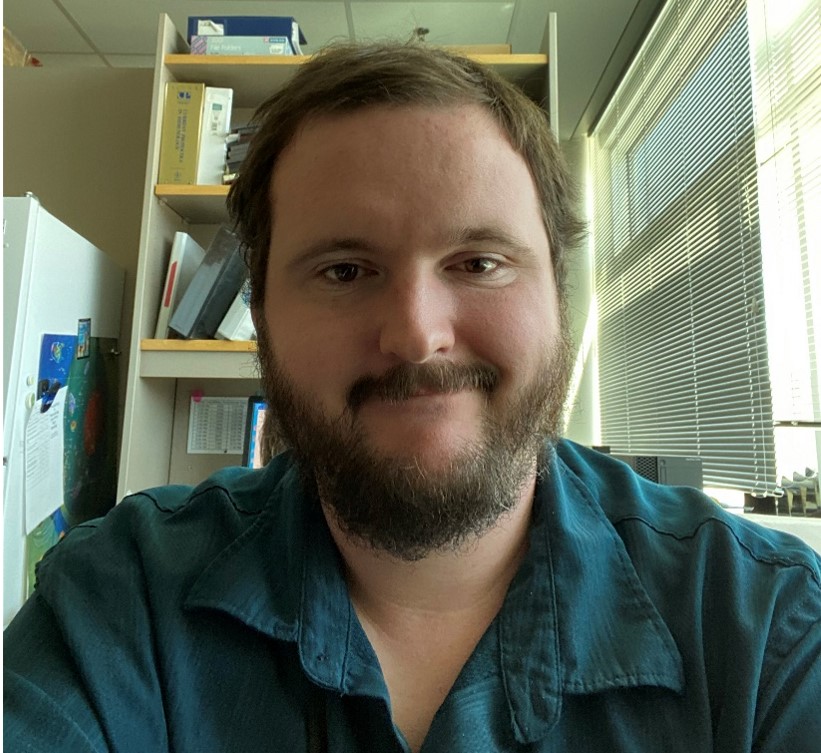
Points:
83	338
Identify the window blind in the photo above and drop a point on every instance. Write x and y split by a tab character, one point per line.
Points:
785	41
683	362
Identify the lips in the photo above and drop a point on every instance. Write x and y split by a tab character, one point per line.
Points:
408	381
409	399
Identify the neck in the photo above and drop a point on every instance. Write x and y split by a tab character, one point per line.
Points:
425	618
470	580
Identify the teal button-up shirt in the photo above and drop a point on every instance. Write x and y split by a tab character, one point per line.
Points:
644	619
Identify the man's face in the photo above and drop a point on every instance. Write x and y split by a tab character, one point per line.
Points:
410	339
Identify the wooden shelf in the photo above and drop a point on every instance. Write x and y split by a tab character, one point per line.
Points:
206	359
528	72
210	346
197	204
270	72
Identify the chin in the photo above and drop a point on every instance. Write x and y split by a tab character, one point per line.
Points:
427	446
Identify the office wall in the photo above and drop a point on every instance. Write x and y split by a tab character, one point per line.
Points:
77	138
583	413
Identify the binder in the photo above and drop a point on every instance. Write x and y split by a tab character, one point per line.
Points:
216	125
180	137
247	26
237	323
214	286
186	257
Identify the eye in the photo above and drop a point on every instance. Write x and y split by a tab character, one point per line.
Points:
343	272
481	265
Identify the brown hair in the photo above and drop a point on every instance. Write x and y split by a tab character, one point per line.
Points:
349	77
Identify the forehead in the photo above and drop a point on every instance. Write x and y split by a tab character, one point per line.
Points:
408	152
419	118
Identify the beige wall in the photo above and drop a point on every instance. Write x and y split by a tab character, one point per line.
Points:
77	138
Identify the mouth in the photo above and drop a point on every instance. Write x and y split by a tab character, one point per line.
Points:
394	400
422	392
420	399
403	384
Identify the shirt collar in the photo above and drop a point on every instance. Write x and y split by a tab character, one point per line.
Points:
597	628
257	577
283	577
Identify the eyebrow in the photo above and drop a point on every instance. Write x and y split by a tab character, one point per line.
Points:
459	237
328	246
489	234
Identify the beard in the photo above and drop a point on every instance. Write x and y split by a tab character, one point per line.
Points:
393	504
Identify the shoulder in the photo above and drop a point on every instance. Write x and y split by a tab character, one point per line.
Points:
714	577
724	586
171	529
245	490
645	512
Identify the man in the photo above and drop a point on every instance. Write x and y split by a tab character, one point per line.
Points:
428	568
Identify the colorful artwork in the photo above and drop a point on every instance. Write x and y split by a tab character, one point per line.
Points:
89	434
40	540
83	336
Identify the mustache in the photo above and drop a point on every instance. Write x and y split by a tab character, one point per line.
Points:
402	381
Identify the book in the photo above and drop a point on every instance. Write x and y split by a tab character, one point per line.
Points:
186	256
218	45
216	125
235	155
212	290
180	134
238	150
241	134
237	323
248	26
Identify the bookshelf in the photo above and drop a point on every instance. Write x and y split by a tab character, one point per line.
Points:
255	77
162	374
198	204
212	359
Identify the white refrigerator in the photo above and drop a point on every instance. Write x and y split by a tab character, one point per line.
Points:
62	301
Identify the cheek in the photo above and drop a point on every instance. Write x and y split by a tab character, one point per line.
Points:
318	352
513	332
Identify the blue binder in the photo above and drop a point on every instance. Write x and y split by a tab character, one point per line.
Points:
249	26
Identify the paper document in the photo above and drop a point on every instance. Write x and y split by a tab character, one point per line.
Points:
216	425
43	454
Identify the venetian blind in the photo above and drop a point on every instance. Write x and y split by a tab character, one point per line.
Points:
785	39
682	340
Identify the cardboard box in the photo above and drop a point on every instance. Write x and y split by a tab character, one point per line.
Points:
180	136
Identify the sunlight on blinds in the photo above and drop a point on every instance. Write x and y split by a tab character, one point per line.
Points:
785	43
683	363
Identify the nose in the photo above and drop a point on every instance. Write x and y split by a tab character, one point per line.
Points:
417	319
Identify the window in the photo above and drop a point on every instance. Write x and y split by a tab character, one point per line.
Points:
683	358
785	43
